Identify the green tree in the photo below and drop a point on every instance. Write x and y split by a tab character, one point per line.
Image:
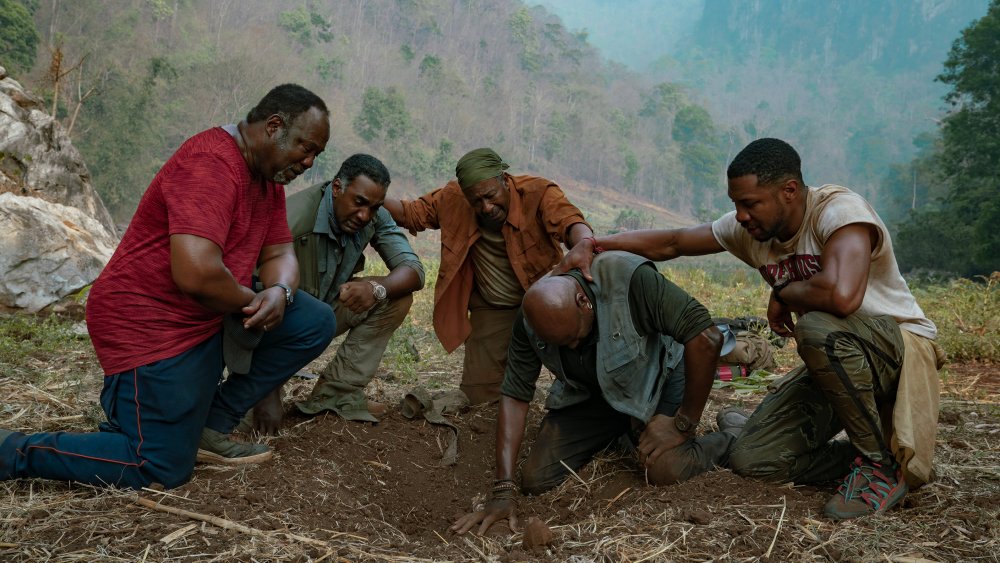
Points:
555	136
700	153
522	27
970	149
383	114
407	53
18	38
118	152
693	125
665	97
631	220
443	165
306	26
631	176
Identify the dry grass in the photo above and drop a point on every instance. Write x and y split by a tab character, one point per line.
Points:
602	514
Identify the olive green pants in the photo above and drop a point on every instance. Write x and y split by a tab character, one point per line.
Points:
341	384
569	438
851	371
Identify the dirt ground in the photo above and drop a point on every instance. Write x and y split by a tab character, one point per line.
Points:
347	491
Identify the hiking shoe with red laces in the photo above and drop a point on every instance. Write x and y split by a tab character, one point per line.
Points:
869	488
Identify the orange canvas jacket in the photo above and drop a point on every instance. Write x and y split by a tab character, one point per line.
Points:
538	220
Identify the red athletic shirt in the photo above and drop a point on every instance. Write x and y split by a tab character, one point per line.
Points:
136	315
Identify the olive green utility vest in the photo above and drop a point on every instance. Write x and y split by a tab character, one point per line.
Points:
631	368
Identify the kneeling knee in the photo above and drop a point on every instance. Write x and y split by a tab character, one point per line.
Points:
171	471
752	465
663	474
812	328
537	482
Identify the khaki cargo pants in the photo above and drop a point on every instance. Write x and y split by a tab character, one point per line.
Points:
851	371
486	350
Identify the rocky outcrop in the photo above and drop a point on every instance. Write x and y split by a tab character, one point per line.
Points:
55	233
49	251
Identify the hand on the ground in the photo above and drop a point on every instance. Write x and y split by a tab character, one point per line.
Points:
267	414
580	256
357	296
659	436
779	318
266	310
495	510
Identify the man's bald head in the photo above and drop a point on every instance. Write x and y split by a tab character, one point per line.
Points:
558	310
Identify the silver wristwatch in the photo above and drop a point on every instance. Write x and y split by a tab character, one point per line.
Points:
378	290
289	295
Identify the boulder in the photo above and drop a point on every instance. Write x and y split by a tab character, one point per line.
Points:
49	251
56	233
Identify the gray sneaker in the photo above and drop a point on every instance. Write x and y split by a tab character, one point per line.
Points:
731	420
216	447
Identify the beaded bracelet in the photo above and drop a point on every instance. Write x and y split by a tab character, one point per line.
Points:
504	485
503	489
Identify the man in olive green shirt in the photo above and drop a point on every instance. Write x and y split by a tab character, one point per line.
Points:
333	223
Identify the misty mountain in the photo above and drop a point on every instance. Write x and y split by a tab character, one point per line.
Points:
850	83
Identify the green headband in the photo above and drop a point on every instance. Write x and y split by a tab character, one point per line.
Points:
478	165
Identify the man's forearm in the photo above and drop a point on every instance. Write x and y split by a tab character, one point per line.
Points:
665	244
656	245
401	281
219	291
701	356
197	269
576	233
511	422
395	208
280	268
820	293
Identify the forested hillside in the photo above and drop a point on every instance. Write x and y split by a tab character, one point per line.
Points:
860	87
419	82
416	82
851	83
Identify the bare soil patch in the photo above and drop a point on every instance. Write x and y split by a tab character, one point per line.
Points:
341	490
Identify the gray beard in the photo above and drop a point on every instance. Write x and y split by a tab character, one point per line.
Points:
284	176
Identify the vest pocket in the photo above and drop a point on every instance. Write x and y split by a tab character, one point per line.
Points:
305	252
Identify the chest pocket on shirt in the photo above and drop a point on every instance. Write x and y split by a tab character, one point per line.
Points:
307	253
535	255
453	243
624	345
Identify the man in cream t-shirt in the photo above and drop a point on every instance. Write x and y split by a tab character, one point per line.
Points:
869	357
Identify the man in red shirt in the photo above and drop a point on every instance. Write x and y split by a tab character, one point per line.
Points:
185	267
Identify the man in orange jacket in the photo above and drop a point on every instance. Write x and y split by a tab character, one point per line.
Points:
499	234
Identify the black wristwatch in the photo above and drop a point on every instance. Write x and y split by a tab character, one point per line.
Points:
289	295
684	424
776	291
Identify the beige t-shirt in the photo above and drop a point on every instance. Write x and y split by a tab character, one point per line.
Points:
829	208
494	276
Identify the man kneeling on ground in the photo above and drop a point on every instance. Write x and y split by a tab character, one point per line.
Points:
614	345
214	212
333	222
